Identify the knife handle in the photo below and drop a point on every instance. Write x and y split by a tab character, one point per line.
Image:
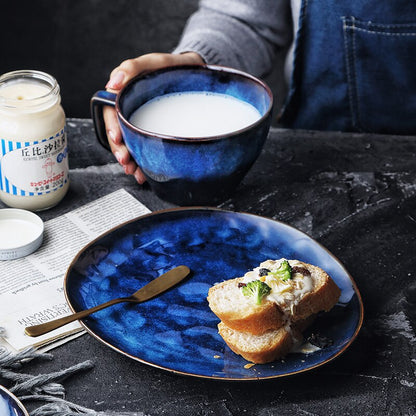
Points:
41	329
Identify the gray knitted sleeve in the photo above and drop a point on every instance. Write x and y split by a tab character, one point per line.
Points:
243	34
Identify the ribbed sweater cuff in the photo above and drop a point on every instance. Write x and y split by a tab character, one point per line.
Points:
207	53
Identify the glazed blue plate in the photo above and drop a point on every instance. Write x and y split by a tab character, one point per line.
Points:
177	330
10	405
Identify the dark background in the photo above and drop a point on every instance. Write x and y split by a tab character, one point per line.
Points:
79	42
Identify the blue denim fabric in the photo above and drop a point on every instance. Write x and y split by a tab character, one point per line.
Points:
354	67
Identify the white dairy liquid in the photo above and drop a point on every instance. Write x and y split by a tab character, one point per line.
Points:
23	90
194	114
17	232
33	147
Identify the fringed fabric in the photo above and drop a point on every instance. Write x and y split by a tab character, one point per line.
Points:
44	388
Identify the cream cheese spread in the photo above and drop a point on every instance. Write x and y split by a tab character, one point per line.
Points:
286	294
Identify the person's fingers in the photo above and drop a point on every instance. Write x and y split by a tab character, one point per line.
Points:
140	178
123	157
129	68
120	75
123	73
191	58
111	125
132	67
125	160
117	80
130	167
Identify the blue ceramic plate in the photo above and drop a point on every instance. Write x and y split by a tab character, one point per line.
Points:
177	331
10	405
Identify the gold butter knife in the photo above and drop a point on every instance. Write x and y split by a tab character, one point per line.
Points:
149	291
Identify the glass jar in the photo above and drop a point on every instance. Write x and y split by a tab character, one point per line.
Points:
33	145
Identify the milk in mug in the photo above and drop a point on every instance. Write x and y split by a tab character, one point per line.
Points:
194	114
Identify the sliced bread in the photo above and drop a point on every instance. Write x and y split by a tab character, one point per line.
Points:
258	349
242	313
310	290
302	303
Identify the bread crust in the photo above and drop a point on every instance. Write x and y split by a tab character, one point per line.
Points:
247	317
258	349
266	332
242	314
322	299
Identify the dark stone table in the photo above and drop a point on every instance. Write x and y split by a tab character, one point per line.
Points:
356	195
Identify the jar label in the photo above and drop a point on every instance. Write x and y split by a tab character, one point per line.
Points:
34	168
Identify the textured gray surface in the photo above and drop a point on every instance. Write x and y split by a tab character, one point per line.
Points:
356	195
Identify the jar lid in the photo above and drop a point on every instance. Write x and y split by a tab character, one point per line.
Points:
21	233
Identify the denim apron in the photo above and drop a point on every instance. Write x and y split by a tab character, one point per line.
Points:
354	67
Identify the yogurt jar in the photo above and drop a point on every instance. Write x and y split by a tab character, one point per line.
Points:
33	143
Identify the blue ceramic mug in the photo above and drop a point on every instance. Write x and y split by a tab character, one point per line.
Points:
189	171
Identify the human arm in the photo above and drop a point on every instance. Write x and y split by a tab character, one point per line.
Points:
242	34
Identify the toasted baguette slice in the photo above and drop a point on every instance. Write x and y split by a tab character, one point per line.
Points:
258	349
310	291
241	313
322	298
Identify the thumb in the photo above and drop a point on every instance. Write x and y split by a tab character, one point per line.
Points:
116	80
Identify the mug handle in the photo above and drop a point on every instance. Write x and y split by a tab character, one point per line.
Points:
98	100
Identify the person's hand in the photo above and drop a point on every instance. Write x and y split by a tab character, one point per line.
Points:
118	79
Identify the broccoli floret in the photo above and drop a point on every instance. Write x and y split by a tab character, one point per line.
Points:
283	272
257	289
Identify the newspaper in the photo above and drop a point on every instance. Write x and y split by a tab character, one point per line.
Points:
31	288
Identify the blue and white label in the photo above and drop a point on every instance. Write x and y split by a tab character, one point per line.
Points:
30	168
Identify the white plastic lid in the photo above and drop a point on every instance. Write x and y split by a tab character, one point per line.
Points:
21	233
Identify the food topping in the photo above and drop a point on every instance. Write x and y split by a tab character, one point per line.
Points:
264	272
288	281
302	270
283	271
257	290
